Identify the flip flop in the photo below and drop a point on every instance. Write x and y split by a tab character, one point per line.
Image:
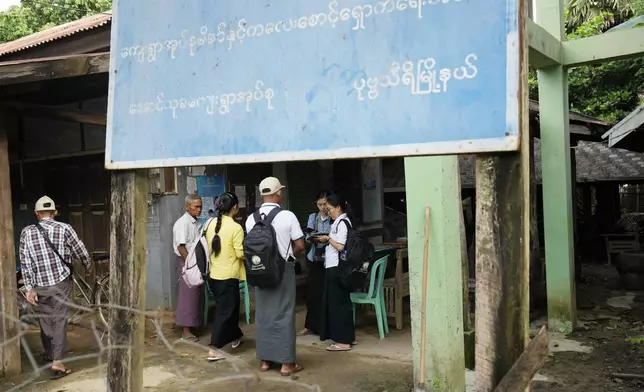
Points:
335	347
263	369
304	332
297	369
192	338
58	374
214	356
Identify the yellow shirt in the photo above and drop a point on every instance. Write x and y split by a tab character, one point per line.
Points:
229	264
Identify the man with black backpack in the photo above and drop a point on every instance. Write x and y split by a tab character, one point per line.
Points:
274	239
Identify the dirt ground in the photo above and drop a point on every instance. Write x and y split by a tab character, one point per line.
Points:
583	361
183	367
607	317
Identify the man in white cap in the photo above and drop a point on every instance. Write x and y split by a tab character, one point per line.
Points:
275	307
46	252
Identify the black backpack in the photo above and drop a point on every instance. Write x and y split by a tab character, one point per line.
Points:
202	261
263	262
356	259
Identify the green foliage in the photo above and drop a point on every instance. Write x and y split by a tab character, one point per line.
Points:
635	340
579	12
36	15
14	24
608	91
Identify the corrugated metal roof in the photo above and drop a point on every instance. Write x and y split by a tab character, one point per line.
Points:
54	33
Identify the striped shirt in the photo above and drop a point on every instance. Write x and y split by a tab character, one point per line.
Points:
41	267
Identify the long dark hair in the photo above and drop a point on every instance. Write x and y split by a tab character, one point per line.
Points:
337	200
225	204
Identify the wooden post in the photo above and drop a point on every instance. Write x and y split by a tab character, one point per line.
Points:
434	181
503	249
520	375
9	350
127	280
501	267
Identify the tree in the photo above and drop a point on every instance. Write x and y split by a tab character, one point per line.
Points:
608	91
32	16
615	12
14	24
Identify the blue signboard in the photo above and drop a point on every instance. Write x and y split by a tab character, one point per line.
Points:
213	82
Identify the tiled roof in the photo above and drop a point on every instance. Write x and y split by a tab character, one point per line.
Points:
595	163
55	33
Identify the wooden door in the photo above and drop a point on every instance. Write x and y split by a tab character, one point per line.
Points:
245	179
80	187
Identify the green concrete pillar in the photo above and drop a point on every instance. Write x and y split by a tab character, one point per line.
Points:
557	198
435	181
556	178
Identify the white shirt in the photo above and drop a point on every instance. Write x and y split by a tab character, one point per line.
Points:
287	228
339	233
184	232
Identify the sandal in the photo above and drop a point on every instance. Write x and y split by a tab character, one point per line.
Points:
266	368
334	347
214	357
191	338
304	332
291	372
238	342
57	374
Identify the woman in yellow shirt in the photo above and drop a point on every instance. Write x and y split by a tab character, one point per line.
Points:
226	237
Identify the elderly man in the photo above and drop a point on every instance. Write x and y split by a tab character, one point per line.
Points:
185	234
46	252
275	307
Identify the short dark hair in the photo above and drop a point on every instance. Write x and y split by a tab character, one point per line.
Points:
323	195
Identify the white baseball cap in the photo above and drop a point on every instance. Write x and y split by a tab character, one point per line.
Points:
45	203
270	186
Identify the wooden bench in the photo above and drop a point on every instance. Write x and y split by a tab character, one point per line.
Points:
618	243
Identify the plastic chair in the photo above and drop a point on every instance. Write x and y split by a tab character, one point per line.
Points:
375	296
243	288
243	291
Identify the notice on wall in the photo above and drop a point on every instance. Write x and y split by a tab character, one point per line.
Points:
240	191
208	205
209	188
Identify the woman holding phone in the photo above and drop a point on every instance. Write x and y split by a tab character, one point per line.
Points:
337	314
318	223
